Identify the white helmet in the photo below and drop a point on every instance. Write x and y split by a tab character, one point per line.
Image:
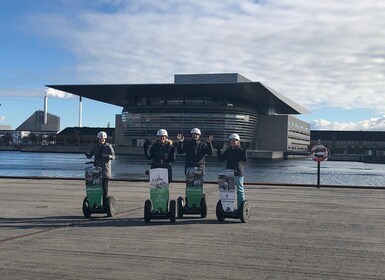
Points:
234	136
102	135
162	132
196	130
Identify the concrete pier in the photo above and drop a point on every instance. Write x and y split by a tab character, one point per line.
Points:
293	233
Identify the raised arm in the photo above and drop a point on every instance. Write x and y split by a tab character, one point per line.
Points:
146	149
220	156
180	145
209	147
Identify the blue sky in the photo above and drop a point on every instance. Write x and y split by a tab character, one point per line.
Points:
328	56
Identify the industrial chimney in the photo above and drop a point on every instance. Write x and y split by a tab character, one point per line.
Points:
45	109
80	112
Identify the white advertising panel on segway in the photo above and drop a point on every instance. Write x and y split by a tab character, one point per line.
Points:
227	205
195	200
227	190
157	206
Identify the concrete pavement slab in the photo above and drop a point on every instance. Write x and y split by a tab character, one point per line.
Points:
293	233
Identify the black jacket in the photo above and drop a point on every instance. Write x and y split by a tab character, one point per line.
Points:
196	152
236	158
162	155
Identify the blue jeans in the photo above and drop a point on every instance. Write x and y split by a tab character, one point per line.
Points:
238	180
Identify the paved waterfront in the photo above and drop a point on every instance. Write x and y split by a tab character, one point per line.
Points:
293	233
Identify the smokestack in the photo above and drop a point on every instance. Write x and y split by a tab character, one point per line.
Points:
80	112
45	109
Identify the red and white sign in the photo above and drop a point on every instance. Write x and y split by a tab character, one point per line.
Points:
319	153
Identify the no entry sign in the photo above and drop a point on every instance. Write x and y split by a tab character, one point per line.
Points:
319	153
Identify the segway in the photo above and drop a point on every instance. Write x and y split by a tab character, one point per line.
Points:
195	200
93	202
226	206
157	207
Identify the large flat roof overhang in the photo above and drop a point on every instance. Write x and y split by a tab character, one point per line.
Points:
254	93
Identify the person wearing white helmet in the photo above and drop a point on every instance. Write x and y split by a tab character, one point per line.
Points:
103	153
236	158
162	152
195	149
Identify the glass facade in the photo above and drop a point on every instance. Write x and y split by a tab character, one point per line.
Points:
218	104
214	116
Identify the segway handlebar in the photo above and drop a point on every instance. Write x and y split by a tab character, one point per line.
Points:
97	163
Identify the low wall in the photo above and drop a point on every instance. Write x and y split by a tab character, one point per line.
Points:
69	149
120	150
345	157
265	154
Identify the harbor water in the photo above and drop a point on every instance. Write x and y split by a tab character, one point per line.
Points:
291	171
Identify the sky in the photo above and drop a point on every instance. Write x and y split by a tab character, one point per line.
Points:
328	56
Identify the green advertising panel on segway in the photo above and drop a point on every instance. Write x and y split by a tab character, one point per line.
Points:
94	186
93	202
194	186
157	207
195	200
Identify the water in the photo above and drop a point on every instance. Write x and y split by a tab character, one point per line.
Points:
293	171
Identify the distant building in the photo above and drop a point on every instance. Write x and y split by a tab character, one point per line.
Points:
11	137
39	127
282	133
351	142
35	123
5	127
218	104
83	135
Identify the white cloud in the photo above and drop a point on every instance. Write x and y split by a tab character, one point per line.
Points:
369	124
2	118
57	93
34	92
21	92
324	53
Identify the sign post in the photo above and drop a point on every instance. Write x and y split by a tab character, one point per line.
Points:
319	153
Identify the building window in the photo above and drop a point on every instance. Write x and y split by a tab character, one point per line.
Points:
192	101
141	101
157	101
175	101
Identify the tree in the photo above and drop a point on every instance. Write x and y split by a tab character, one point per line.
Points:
7	138
33	138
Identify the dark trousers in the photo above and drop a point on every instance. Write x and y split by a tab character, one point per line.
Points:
105	191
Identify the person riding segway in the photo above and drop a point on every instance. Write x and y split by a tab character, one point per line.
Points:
162	153
231	178
97	199
196	151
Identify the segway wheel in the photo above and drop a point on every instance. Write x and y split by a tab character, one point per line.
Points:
147	211
86	208
244	211
219	211
180	207
203	207
110	206
172	211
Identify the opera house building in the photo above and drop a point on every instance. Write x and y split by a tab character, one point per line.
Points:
218	104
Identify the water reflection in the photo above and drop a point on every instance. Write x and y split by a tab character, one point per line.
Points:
293	171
